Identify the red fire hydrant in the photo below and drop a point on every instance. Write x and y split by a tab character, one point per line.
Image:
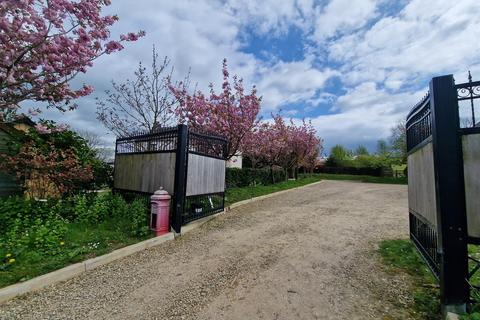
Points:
159	219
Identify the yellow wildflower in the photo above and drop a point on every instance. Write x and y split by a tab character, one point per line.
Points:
62	243
8	255
11	260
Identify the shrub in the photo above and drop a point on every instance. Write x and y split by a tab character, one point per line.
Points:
138	218
35	226
376	172
80	207
237	178
119	207
40	226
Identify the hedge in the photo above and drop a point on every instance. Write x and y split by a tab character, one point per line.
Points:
244	177
363	171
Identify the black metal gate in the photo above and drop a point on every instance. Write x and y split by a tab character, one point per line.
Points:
438	176
189	165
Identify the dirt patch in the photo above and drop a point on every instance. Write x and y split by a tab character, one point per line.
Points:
305	254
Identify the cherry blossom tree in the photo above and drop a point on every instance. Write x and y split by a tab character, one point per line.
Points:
231	113
285	145
45	43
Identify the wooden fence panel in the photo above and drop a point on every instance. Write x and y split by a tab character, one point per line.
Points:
471	169
205	175
145	172
421	183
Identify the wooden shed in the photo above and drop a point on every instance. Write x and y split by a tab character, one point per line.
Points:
8	184
8	131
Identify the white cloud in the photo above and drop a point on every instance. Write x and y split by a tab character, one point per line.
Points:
272	17
341	16
364	114
292	82
427	38
381	58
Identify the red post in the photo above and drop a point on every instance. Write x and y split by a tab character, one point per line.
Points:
160	212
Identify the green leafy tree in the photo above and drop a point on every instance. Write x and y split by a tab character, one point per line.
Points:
338	155
398	140
382	147
361	151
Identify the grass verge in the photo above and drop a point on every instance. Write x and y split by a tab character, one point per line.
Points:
401	256
233	195
369	179
81	242
238	194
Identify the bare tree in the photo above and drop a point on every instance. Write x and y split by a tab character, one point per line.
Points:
95	142
142	103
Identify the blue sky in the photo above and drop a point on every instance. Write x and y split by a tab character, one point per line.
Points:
354	68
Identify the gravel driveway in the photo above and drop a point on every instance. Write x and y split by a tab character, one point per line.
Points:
305	254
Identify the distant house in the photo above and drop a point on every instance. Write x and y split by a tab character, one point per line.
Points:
8	131
235	162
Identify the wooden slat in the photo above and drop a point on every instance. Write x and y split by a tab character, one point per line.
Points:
205	175
421	183
145	172
471	169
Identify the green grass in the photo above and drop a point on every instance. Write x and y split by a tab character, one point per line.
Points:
369	179
238	194
401	256
81	242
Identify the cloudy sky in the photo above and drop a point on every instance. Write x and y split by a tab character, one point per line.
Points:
353	67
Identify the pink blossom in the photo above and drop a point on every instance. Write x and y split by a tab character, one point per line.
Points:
60	128
231	113
35	65
42	129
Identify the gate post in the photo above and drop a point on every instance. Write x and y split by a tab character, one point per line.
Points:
180	177
450	195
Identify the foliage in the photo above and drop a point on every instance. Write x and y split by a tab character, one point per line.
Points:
398	140
283	144
43	235
342	157
52	160
230	113
45	44
338	154
368	171
361	150
360	178
48	160
137	212
144	103
383	148
244	177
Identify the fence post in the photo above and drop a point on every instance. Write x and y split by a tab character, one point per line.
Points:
180	177
450	195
